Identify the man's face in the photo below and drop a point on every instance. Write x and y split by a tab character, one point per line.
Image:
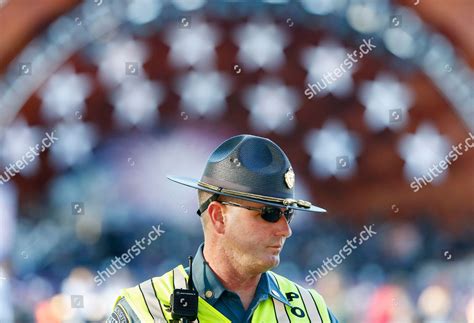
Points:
253	242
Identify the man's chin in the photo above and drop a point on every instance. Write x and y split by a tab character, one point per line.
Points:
266	262
273	262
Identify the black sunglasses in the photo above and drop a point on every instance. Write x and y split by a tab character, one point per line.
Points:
268	213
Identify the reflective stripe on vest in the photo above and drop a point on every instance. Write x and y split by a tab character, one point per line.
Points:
321	304
280	312
134	298
179	280
150	301
304	306
310	305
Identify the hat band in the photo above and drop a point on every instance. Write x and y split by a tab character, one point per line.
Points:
286	202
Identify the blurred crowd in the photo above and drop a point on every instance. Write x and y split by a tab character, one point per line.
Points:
399	275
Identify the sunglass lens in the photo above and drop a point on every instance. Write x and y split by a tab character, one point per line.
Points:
289	215
271	214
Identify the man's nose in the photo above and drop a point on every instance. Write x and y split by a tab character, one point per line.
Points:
284	228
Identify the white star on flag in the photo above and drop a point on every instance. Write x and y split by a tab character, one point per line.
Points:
119	55
333	150
136	102
261	45
16	142
422	150
386	101
322	62
74	145
203	93
272	106
64	94
193	46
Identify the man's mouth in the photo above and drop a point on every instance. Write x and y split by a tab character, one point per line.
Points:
276	247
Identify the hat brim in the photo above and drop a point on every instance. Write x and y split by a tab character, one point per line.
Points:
191	182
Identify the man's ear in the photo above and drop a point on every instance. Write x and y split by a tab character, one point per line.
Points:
216	217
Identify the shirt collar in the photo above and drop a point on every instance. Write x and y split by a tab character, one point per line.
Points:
275	291
204	279
210	288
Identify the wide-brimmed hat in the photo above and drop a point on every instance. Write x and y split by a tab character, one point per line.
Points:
249	168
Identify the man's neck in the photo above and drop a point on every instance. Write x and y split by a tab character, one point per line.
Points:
232	278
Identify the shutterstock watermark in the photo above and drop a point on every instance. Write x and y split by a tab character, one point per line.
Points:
451	157
312	89
344	252
14	168
132	252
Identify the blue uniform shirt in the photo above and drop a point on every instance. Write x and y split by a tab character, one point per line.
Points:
227	302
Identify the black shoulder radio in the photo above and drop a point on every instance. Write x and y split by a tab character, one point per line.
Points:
184	302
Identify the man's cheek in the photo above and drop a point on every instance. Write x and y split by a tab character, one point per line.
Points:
252	243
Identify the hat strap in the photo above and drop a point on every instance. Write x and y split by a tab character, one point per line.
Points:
205	205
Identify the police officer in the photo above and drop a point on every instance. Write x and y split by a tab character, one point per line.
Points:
246	197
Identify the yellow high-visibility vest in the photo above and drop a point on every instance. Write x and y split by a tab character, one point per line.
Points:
150	302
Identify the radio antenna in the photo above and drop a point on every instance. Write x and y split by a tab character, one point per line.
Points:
190	280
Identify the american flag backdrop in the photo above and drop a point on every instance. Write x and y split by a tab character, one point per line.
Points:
367	98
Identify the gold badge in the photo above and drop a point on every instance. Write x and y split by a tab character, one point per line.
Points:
290	178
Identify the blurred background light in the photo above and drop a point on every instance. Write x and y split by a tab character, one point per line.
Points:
405	36
203	93
400	43
192	43
423	149
8	214
261	45
323	7
64	94
386	102
276	1
366	16
470	310
324	59
16	143
333	150
75	143
136	102
434	303
188	5
272	106
143	11
112	58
